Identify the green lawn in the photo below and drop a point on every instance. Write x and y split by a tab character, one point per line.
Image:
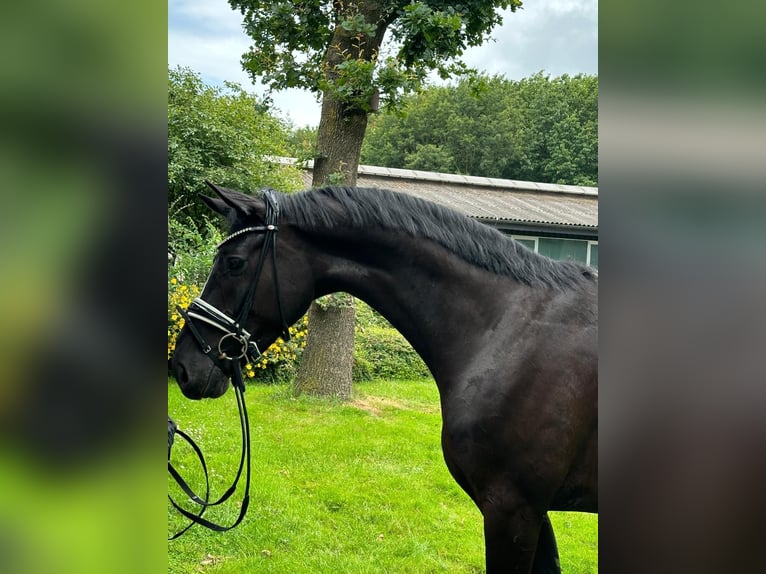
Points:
341	488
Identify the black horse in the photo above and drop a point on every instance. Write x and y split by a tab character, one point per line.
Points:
509	336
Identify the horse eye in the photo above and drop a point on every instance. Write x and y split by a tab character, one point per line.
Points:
235	263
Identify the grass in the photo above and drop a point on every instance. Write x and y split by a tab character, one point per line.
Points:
340	488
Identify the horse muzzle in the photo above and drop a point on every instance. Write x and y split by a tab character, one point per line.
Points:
199	378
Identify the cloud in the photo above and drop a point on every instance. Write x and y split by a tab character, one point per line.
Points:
558	37
204	16
208	38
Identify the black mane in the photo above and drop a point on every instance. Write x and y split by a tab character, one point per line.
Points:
479	244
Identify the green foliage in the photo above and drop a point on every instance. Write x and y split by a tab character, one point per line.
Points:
536	129
336	178
291	40
430	157
337	300
352	82
380	351
302	143
222	135
358	25
559	133
192	247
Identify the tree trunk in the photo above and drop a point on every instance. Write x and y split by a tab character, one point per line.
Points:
326	369
326	365
339	143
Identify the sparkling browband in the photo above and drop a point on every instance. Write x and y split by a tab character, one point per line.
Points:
247	230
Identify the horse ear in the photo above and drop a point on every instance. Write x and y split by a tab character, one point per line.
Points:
217	205
232	203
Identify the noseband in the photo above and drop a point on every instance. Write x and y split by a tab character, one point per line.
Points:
234	345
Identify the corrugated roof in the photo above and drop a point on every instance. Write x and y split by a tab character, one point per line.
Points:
488	199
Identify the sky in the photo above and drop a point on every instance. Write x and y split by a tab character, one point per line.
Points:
553	36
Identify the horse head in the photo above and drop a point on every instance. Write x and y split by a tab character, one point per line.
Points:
256	289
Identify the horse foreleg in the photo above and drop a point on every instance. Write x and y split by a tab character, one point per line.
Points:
547	555
511	539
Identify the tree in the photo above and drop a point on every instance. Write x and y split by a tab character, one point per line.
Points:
220	134
470	124
558	139
301	143
537	129
335	49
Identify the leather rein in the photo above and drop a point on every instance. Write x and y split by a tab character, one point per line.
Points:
235	345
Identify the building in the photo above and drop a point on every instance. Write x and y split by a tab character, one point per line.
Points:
560	221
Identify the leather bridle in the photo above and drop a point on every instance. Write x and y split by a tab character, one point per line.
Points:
233	329
235	345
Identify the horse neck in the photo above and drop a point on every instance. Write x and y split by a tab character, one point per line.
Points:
430	295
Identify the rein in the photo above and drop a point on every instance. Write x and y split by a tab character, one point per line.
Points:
244	462
234	345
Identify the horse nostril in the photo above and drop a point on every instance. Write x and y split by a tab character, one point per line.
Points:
181	375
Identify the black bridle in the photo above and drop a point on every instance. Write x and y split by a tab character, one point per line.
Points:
233	329
235	345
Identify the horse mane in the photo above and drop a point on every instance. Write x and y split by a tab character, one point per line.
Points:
474	242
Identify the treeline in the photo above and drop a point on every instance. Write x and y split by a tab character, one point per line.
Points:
537	129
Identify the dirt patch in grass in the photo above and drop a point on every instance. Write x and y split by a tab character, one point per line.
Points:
376	405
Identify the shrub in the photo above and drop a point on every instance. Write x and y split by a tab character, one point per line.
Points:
180	295
279	362
192	251
380	351
224	135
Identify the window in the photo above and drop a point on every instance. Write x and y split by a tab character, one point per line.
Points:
593	254
572	249
527	241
